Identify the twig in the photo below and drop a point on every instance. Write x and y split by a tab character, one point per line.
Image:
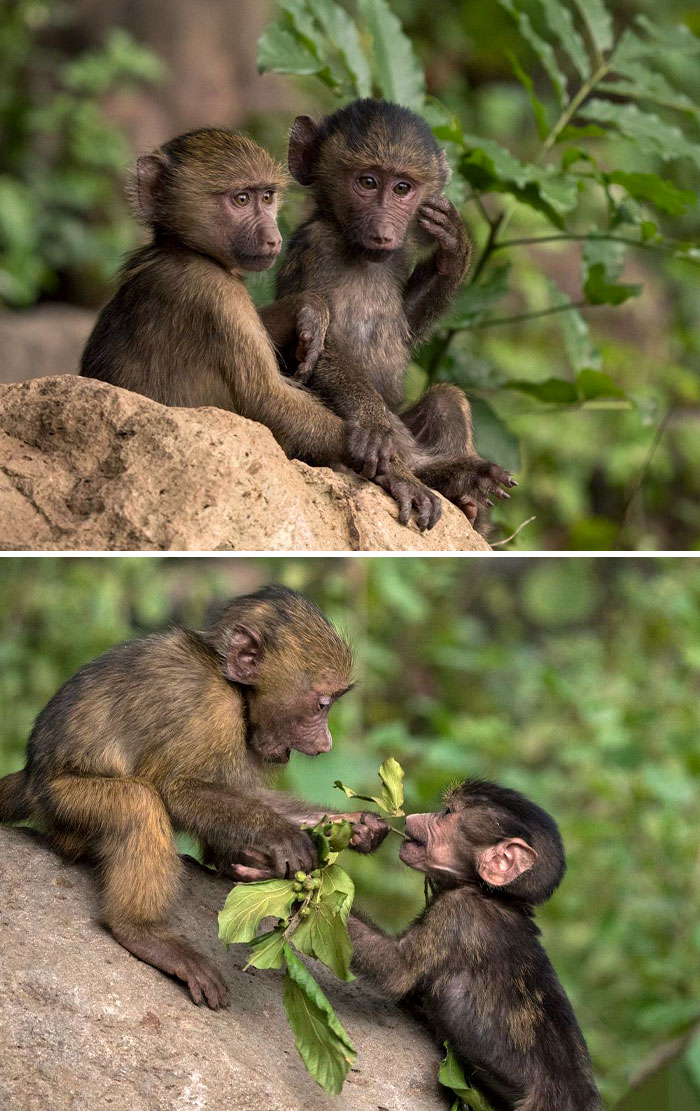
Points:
663	424
513	535
530	315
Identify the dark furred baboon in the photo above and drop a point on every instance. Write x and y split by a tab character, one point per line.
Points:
376	175
472	961
182	327
175	732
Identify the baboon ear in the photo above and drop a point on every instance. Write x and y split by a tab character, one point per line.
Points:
244	655
444	168
500	864
149	169
302	149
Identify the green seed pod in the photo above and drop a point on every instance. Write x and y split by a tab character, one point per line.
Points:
300	876
298	887
305	912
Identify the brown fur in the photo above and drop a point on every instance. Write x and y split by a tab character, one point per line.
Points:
358	252
177	731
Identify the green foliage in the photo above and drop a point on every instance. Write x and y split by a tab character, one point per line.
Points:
313	913
610	129
451	1075
391	774
62	161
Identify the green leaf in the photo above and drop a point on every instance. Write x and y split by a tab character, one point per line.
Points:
392	775
574	154
323	1044
445	125
281	51
538	108
340	835
561	24
593	383
603	261
541	48
451	1075
324	935
494	439
651	134
248	903
645	84
599	291
399	72
337	885
491	168
577	339
268	950
650	187
598	23
558	390
355	794
344	36
679	37
476	302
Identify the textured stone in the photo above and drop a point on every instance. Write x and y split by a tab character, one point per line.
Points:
86	466
86	1027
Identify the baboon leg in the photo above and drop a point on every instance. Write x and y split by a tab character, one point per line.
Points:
140	868
441	421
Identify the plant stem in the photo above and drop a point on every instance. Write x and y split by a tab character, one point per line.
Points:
566	236
532	315
398	832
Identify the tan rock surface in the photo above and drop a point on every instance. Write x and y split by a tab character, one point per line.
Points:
85	1026
86	466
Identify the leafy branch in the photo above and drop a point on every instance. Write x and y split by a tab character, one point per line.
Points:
312	913
604	89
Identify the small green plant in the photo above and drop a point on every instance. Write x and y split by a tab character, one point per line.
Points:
62	161
583	182
312	913
451	1075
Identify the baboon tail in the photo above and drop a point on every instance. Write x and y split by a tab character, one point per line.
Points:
14	800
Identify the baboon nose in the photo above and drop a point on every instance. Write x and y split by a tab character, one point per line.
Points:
274	242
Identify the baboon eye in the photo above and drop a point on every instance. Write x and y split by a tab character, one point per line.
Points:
402	188
241	199
367	182
268	196
324	702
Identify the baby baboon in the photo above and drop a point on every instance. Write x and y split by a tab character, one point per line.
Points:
473	962
376	175
176	731
182	327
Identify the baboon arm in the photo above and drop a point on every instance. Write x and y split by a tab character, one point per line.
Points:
391	964
298	811
221	816
427	296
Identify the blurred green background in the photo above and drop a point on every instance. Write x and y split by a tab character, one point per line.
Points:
86	85
574	680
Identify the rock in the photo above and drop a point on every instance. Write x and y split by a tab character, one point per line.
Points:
87	466
42	341
86	1026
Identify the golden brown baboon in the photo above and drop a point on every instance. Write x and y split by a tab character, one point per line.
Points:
182	327
376	175
176	732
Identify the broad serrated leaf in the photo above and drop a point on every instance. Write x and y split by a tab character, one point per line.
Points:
490	167
651	134
336	885
663	194
267	950
451	1075
557	390
678	37
344	36
603	261
445	125
494	439
324	935
636	81
323	1044
561	24
281	51
592	383
598	22
398	71
392	775
540	47
476	302
538	109
248	903
340	835
577	339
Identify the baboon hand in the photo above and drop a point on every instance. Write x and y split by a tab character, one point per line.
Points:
412	497
440	218
312	323
368	832
473	482
296	852
371	446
